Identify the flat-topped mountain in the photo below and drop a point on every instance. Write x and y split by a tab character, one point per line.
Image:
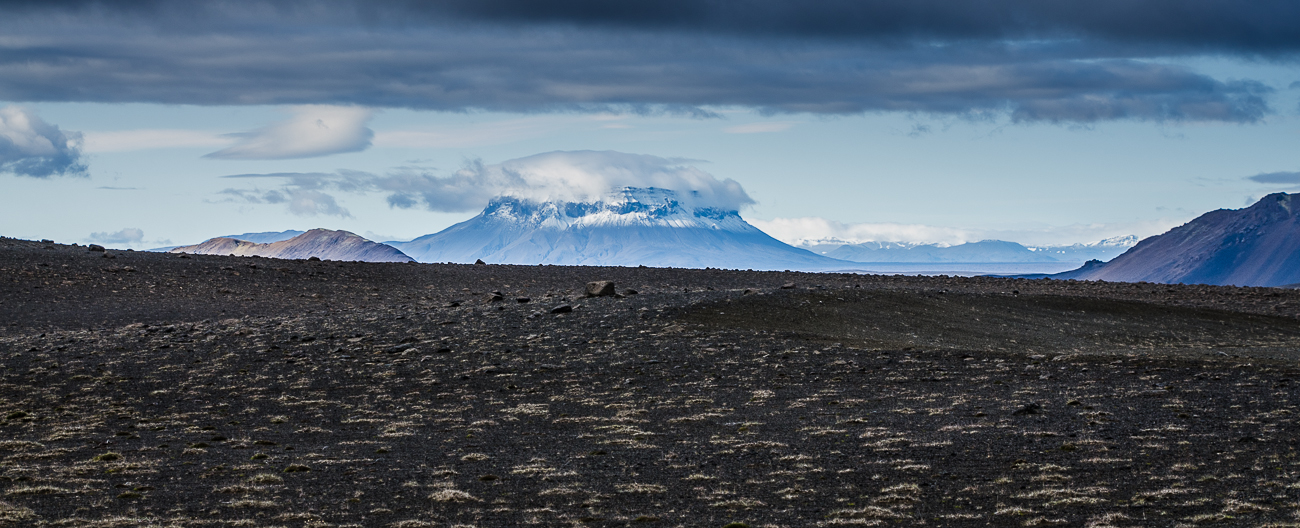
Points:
1255	246
634	226
321	243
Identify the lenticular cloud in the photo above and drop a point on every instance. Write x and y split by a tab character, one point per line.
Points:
312	131
576	176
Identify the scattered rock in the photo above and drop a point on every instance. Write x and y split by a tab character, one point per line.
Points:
479	262
629	291
787	286
94	247
600	289
523	300
313	259
495	297
1032	408
563	308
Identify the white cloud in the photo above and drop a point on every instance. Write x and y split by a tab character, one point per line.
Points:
574	176
129	235
812	230
299	200
146	139
31	147
312	131
815	230
757	128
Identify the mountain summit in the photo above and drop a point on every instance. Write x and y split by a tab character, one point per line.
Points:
1255	246
632	226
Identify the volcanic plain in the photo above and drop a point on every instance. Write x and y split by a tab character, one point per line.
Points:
147	389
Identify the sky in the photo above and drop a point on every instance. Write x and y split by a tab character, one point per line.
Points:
152	123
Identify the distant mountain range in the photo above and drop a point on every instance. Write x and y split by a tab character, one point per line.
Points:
634	226
320	243
1255	246
985	251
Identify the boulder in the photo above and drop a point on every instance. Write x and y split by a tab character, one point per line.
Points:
600	289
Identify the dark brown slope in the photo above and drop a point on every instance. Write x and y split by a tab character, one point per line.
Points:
1255	246
320	243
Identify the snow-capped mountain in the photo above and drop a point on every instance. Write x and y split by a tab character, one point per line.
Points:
633	226
1103	250
984	251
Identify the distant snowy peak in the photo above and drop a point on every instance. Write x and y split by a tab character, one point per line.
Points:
1118	242
628	207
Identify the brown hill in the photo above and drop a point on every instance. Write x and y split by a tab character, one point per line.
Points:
1255	246
321	243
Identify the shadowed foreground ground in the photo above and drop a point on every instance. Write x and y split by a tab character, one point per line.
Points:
154	390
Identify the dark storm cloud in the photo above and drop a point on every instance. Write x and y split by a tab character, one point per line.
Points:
1032	60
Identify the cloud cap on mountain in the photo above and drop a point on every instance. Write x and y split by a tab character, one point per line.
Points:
570	176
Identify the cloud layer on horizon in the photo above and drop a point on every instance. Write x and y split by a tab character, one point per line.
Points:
808	231
1069	62
130	235
31	147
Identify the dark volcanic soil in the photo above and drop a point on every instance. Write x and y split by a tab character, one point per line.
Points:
157	390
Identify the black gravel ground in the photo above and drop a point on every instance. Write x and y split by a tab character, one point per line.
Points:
157	390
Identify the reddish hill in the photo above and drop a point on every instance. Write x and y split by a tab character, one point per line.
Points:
321	243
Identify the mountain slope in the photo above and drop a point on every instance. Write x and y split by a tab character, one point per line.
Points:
321	243
1255	246
635	226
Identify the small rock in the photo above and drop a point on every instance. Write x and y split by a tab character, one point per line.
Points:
495	297
523	300
451	304
787	286
1032	408
313	259
108	255
600	289
629	291
94	247
563	308
479	262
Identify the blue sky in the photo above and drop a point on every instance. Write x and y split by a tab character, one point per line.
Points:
125	123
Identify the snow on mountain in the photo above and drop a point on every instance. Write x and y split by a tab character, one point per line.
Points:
1103	250
984	251
633	226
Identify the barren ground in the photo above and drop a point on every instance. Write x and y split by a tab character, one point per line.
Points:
157	390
